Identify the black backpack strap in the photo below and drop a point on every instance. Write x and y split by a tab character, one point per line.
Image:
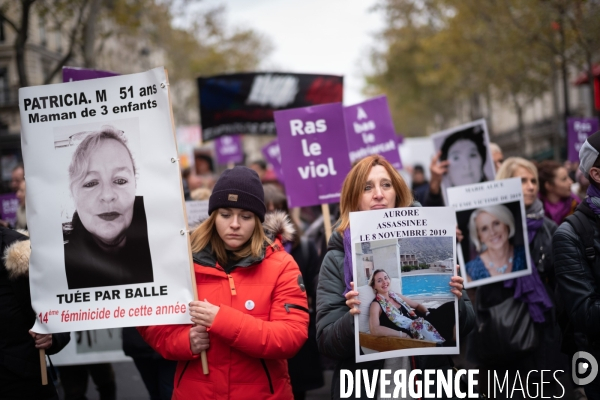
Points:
585	230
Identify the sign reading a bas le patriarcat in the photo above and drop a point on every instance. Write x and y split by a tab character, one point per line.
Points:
104	204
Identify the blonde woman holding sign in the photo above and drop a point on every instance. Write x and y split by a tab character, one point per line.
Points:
372	184
253	314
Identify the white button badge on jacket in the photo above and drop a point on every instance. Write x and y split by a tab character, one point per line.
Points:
249	305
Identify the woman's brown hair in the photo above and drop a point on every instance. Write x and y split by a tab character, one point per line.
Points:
354	185
547	173
207	234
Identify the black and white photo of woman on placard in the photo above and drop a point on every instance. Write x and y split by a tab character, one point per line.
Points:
106	240
466	150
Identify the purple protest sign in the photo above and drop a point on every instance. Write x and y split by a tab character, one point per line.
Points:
370	130
314	153
578	131
8	208
72	74
229	149
272	154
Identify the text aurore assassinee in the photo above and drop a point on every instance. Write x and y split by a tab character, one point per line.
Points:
418	383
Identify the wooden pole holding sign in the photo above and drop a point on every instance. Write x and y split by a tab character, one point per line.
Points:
187	229
326	220
43	367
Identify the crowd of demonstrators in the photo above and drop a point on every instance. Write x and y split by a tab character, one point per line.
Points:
549	197
20	373
254	303
303	301
372	183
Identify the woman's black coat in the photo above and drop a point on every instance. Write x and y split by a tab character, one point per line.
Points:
20	376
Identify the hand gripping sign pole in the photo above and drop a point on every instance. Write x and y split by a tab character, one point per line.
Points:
186	231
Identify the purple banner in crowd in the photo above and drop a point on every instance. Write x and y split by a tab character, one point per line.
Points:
229	149
314	153
578	131
272	155
370	130
72	74
8	208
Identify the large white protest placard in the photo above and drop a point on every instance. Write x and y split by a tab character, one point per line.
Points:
466	148
402	262
491	216
105	207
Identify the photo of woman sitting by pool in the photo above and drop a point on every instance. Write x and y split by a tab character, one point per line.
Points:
405	296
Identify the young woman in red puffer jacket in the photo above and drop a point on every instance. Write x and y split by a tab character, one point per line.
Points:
253	312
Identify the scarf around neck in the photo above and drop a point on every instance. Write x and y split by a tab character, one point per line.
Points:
535	218
557	212
530	289
419	328
391	311
593	199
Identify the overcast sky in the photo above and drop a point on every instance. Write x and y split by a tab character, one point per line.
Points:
313	36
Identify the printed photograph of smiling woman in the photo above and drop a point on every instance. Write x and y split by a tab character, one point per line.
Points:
103	217
464	150
496	244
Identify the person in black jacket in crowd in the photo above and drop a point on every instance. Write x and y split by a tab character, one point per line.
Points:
20	373
372	183
577	262
537	290
305	369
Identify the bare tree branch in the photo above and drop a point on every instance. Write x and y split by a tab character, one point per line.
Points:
10	21
72	40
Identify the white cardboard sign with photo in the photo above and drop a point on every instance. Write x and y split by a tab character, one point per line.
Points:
104	203
403	260
491	216
467	150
